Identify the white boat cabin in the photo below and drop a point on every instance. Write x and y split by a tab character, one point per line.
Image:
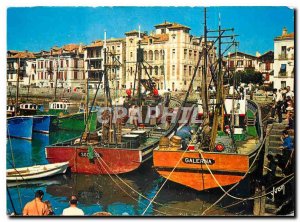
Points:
10	108
59	105
28	106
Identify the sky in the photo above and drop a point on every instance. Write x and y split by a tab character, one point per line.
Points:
40	28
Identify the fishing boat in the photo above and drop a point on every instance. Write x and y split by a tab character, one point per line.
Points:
77	121
133	148
20	127
119	147
225	146
41	123
36	172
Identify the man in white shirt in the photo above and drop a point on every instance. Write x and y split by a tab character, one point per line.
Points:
289	93
73	210
279	103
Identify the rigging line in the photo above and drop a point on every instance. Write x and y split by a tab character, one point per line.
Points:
140	194
10	199
227	192
14	166
170	172
119	185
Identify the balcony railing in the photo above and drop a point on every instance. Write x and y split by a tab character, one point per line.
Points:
282	74
282	56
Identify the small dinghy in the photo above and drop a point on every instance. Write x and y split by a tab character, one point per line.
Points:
36	172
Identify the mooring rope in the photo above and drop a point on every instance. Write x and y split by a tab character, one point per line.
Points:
124	183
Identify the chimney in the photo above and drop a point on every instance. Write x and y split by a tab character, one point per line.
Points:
284	31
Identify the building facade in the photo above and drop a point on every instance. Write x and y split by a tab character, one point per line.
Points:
241	61
284	60
114	64
22	63
62	66
170	56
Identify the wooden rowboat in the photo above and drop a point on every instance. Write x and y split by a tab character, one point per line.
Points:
36	172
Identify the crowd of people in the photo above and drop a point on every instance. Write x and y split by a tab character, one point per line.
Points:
283	102
38	207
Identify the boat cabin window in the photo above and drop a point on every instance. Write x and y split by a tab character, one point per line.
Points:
26	106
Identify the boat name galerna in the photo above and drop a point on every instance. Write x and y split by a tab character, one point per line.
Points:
198	160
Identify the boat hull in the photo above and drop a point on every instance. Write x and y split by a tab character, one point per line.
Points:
20	127
192	172
76	121
36	172
117	160
44	123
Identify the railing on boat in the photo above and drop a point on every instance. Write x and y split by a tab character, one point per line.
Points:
254	107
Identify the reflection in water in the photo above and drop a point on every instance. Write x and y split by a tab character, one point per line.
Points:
108	193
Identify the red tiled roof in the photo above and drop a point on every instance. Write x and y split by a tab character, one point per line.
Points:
97	43
70	47
286	36
23	55
156	38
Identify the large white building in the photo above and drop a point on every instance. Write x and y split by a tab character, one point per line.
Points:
284	60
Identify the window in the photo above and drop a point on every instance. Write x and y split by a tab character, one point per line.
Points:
173	70
150	41
249	63
268	66
231	64
75	63
173	36
150	55
282	68
240	62
184	70
184	53
150	68
163	31
173	53
283	51
156	70
190	70
190	54
97	53
156	55
145	55
131	54
75	75
162	70
130	71
61	63
42	64
67	62
195	55
283	84
32	77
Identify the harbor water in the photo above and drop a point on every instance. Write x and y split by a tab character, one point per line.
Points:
121	195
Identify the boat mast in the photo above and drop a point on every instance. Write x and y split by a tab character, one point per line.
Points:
219	94
139	60
17	92
204	75
57	64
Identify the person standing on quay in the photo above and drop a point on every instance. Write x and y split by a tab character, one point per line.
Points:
73	210
36	207
279	103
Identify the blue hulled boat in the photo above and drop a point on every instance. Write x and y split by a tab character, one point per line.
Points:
20	127
44	123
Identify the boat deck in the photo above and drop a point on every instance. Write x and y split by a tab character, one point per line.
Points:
247	146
